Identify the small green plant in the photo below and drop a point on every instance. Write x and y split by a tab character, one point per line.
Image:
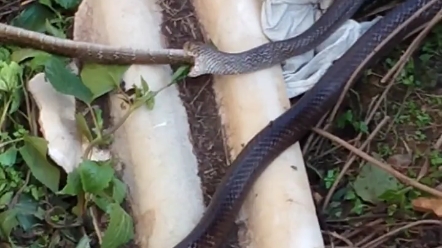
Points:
32	193
349	118
330	178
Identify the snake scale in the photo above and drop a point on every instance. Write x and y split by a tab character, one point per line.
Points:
285	130
292	125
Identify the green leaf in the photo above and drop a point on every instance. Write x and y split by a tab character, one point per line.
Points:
363	127
36	192
39	61
144	85
27	205
8	157
38	58
34	17
436	160
148	100
46	2
180	73
34	154
39	143
138	92
99	117
3	185
95	177
10	74
16	100
6	198
82	126
372	182
68	4
101	79
84	242
66	82
54	31
29	213
120	229
5	54
8	221
73	186
119	190
102	202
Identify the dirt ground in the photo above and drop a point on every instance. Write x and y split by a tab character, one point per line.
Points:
179	26
206	133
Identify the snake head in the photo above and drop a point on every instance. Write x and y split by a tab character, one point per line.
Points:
202	57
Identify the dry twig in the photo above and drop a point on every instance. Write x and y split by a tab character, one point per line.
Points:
406	180
392	74
375	243
373	53
350	162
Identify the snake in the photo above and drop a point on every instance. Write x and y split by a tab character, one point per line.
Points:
294	124
280	133
204	58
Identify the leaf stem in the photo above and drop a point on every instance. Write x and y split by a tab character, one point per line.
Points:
179	74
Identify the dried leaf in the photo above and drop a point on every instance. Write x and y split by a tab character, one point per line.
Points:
372	182
424	204
400	160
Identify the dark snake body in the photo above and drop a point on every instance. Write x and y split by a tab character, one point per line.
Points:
284	131
209	60
291	126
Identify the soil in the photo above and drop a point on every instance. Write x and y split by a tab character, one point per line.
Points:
180	25
206	132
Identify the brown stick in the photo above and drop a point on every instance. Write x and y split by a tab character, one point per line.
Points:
375	243
396	69
383	166
350	162
90	52
373	53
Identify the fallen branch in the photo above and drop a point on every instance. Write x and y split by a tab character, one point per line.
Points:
406	180
376	242
350	162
